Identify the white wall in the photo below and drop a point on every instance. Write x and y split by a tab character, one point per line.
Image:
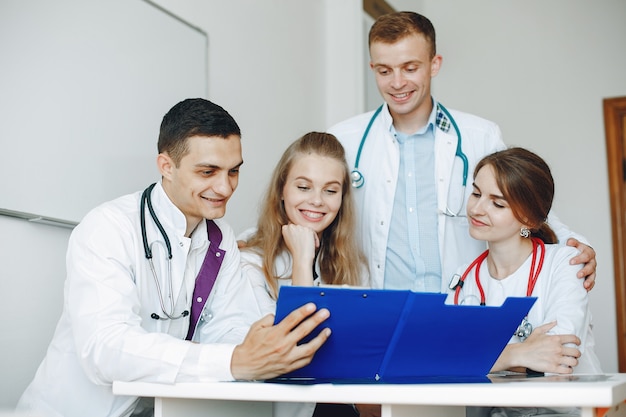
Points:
268	68
31	297
541	69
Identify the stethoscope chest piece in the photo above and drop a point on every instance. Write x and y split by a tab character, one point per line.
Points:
356	178
524	330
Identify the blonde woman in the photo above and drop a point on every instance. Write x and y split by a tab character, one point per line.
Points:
306	234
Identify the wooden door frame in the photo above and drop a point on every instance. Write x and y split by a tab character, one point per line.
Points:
615	128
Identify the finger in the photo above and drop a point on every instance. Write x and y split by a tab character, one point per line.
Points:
309	348
588	269
544	328
590	282
307	326
241	244
587	254
306	351
297	317
569	338
571	361
266	321
564	369
568	362
572	352
581	259
314	344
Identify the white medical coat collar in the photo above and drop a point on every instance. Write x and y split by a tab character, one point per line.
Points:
174	220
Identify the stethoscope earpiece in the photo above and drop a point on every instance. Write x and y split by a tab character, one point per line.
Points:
356	179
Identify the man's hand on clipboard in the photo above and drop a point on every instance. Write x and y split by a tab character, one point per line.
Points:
271	350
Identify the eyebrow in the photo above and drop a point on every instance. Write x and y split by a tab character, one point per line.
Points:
213	166
496	196
403	64
309	180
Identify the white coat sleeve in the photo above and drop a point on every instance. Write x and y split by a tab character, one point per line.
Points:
251	270
563	297
103	304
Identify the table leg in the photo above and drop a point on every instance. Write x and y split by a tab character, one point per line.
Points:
388	410
176	407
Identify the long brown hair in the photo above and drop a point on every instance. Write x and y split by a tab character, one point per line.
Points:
527	185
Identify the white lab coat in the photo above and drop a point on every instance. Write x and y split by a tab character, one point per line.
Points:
379	163
560	298
251	264
106	333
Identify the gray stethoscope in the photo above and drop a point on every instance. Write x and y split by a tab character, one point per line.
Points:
356	177
146	200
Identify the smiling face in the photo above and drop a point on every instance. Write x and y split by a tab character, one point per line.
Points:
403	71
205	179
312	193
490	216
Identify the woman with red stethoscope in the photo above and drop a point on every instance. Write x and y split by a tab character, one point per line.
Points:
512	195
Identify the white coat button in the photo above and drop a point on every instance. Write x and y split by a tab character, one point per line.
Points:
218	254
199	299
181	244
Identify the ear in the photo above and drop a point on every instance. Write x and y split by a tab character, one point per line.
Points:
435	65
165	165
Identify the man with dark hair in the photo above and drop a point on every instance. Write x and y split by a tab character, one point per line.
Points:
152	273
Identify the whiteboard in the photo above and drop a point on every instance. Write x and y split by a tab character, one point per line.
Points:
84	85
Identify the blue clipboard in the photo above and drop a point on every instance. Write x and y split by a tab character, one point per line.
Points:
395	336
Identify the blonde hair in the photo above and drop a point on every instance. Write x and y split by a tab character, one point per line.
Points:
340	258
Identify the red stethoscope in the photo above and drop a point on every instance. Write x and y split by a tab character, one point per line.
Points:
525	329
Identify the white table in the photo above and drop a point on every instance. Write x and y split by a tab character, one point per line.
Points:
598	396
